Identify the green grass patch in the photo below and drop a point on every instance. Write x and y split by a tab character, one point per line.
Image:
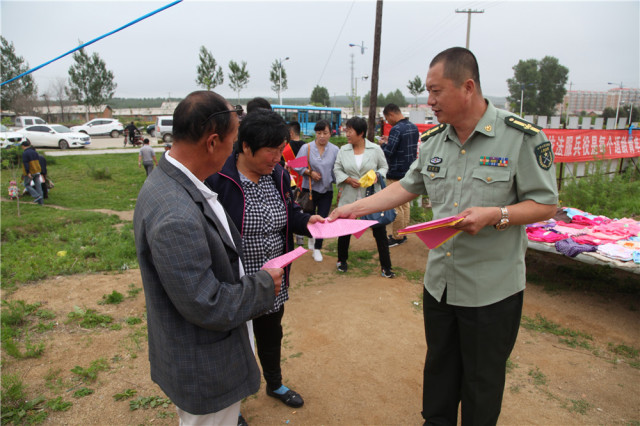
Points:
89	318
90	374
579	406
61	243
111	299
82	392
57	404
147	402
567	336
539	379
17	319
17	409
126	394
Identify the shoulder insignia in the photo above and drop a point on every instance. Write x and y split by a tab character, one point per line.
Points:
432	131
524	126
544	155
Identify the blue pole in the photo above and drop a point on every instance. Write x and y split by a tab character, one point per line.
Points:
91	42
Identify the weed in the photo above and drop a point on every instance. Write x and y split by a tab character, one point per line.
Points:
510	366
99	173
16	408
149	402
165	415
89	375
543	325
53	381
82	392
133	341
42	327
132	320
111	299
579	406
624	350
296	355
126	394
538	376
58	404
89	318
514	388
133	291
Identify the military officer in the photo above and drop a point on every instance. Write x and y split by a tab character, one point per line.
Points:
496	171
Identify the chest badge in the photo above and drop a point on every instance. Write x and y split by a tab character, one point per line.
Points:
494	161
436	160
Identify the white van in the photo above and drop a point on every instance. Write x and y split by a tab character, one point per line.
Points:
164	128
25	120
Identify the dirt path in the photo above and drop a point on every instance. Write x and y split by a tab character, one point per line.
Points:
354	348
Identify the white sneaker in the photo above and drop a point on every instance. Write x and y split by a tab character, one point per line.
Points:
317	256
310	243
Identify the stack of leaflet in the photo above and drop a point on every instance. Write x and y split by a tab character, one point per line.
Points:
436	232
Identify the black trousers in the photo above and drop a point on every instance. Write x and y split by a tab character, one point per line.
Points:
322	206
467	352
380	234
268	331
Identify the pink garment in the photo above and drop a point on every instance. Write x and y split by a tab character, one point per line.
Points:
590	239
569	230
571	225
628	228
544	235
616	251
590	222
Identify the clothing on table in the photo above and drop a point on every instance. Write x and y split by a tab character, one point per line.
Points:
572	249
544	235
616	251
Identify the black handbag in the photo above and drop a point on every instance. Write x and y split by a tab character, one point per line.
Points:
305	198
384	218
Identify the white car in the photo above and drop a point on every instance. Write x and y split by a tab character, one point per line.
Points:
9	138
55	135
100	127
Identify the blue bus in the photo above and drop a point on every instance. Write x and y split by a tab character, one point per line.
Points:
309	115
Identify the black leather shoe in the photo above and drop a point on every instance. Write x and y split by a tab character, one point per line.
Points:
290	398
242	421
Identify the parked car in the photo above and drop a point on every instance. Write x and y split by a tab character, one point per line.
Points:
55	135
164	128
101	127
9	138
151	130
27	120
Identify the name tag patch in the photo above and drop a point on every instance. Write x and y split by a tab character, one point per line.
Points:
434	169
494	161
436	160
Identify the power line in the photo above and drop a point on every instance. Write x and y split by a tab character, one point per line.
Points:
469	12
336	42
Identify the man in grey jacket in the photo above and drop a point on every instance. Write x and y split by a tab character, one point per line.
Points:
190	254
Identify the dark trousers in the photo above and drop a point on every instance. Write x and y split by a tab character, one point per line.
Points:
467	352
322	206
268	331
380	234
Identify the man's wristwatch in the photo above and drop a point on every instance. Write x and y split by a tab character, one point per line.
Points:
504	220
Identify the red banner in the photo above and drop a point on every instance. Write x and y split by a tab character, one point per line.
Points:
570	146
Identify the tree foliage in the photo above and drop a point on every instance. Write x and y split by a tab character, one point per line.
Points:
20	94
238	77
320	96
541	84
276	78
210	73
90	82
416	87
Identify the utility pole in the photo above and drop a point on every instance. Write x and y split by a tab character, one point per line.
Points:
373	101
469	12
353	96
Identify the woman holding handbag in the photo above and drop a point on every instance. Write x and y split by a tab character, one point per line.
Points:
318	177
354	160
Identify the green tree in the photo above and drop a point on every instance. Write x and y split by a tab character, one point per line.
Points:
396	98
20	94
90	82
541	85
366	99
279	80
210	73
320	96
238	77
416	87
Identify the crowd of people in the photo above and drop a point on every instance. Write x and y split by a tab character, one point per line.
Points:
220	204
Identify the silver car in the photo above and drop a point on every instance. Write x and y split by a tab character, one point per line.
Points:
55	135
101	127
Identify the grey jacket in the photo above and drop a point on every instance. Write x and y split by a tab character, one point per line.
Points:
197	304
346	167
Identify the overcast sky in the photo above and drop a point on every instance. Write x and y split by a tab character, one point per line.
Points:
598	41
